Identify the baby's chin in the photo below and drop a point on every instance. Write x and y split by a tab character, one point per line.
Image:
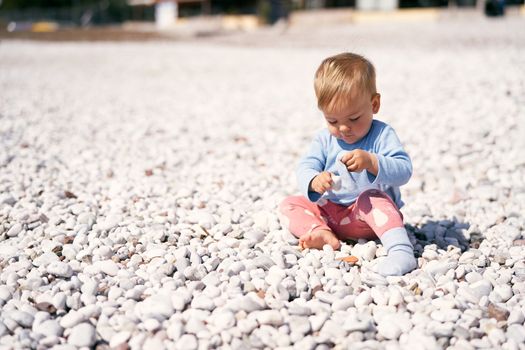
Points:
350	139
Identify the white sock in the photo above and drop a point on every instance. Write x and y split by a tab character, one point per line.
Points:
400	258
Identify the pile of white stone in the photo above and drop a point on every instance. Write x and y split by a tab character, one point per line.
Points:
139	186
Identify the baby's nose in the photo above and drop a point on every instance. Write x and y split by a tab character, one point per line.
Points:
343	128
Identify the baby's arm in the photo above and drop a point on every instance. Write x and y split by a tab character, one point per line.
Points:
387	164
394	164
310	166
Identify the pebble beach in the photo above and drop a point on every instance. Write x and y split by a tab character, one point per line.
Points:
139	185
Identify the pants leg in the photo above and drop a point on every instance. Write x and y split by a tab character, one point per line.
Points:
346	224
371	215
301	216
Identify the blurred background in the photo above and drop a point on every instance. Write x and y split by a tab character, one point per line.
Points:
38	16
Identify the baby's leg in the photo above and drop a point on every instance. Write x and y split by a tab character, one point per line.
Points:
384	218
304	220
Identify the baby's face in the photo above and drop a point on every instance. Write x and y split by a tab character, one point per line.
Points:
352	122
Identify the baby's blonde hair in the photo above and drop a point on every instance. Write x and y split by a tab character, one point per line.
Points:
342	77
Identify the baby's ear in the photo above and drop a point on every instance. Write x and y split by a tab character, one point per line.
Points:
376	103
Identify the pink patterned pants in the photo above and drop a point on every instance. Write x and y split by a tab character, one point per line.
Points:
371	215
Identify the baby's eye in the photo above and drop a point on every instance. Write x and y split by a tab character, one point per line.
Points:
331	122
355	119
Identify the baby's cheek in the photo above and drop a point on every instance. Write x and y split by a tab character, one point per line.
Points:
333	131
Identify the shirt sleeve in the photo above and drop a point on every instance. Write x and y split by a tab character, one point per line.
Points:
395	166
310	165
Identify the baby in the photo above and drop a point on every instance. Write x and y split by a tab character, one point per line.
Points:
350	177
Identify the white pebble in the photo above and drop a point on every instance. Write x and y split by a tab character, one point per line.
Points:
14	230
187	342
363	299
60	269
71	319
270	317
82	335
119	339
109	267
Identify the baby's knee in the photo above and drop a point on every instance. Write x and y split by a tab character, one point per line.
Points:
372	192
379	209
288	204
367	199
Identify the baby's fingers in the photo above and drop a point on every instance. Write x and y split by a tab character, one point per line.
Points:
329	182
327	185
325	177
347	157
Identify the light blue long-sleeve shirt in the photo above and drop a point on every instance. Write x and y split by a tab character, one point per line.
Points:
395	167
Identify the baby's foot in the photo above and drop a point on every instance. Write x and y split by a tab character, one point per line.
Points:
317	239
397	263
400	258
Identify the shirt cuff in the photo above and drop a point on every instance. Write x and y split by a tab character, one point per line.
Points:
307	179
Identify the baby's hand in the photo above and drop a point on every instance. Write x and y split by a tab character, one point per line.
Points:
359	160
322	182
